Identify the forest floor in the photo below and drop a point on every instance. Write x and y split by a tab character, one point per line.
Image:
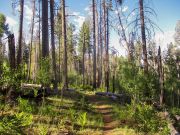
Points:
112	126
80	113
105	109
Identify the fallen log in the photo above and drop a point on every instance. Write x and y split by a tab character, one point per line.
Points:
121	98
26	85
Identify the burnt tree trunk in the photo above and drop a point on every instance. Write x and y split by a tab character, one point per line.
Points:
11	45
53	43
143	35
45	36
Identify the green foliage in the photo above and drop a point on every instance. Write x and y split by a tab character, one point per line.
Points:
84	33
43	129
82	119
175	111
133	81
74	79
2	24
172	82
147	119
47	110
82	104
72	116
87	87
10	78
141	117
24	105
15	124
44	76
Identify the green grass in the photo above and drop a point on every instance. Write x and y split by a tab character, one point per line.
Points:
73	115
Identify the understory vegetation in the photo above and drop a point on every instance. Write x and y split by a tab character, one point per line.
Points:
99	72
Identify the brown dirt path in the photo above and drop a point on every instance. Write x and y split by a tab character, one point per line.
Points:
104	108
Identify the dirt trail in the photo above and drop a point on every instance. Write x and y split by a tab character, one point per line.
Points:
104	108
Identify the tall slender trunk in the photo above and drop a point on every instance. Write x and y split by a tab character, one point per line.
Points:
19	55
94	46
160	77
59	56
97	46
143	34
178	76
107	51
59	42
101	45
45	36
105	36
89	68
123	32
32	32
53	43
64	38
39	34
83	65
1	57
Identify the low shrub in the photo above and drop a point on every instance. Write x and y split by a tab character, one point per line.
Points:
141	117
15	124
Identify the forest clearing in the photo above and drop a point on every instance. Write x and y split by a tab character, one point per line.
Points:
89	67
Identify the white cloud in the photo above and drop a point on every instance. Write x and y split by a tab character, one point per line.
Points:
75	13
88	10
28	13
121	9
79	20
114	42
125	8
165	38
11	21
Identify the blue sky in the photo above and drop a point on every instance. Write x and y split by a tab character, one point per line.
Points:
168	13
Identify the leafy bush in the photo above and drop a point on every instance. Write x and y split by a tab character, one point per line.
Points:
10	78
82	119
43	129
44	76
16	123
133	81
146	118
175	111
74	79
72	116
142	117
24	105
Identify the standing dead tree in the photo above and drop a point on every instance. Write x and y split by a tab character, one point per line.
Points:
11	45
94	45
64	42
52	42
160	71
19	54
31	42
45	33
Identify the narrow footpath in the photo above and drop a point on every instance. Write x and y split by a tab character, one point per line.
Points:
104	108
